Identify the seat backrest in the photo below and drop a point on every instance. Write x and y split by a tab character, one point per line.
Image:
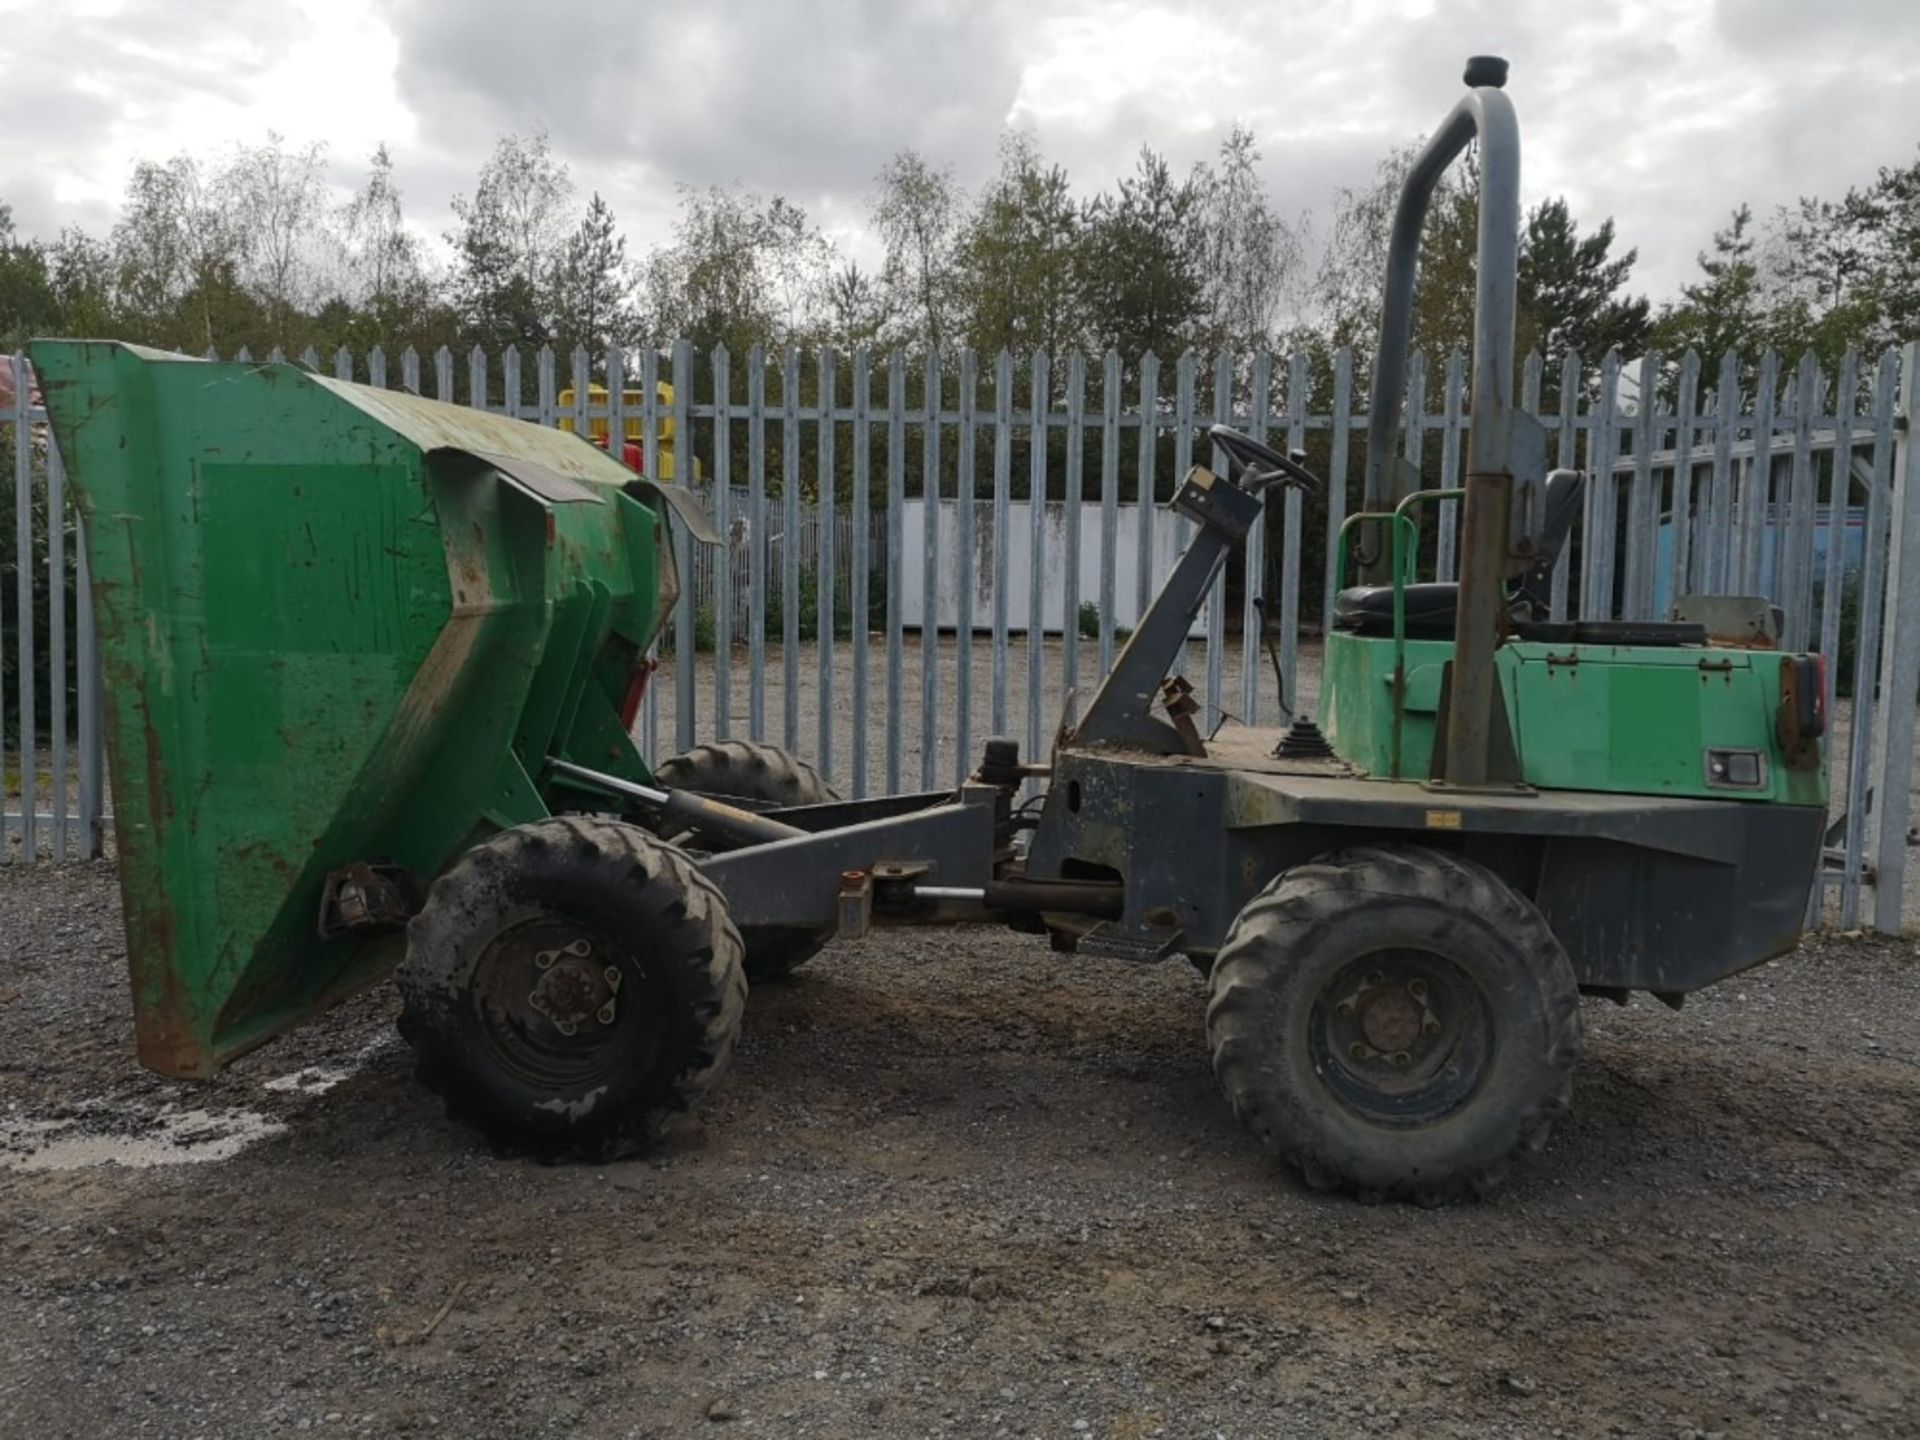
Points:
1564	490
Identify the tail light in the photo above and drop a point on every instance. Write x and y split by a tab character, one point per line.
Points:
1803	709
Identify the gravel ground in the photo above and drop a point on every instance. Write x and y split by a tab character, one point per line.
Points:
955	1185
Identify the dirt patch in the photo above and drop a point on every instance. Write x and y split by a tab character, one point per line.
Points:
958	1185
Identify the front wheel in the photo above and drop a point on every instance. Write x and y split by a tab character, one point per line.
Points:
569	985
1395	1022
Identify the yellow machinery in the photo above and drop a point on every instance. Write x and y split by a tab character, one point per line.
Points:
632	426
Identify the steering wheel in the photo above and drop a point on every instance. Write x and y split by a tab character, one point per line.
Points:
1260	464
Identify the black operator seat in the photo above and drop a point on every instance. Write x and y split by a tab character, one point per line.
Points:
1432	607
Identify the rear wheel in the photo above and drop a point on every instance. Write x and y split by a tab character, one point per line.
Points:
756	777
569	985
1398	1023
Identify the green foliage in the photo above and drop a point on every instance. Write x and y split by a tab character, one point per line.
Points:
739	273
82	276
1571	287
589	293
1160	263
1140	263
1822	277
1847	272
857	308
1847	660
706	623
1249	258
1572	291
507	242
1721	311
808	606
179	250
1350	286
27	299
249	249
42	585
917	215
1089	623
1017	257
277	200
386	292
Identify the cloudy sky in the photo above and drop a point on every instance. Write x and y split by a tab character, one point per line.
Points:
1662	113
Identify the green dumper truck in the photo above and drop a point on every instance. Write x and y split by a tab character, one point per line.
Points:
371	665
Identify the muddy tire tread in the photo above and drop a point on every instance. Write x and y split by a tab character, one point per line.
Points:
700	939
747	770
1282	926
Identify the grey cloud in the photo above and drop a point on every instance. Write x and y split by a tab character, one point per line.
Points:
70	84
1848	30
807	98
1664	124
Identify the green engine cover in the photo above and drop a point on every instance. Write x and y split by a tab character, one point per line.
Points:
1621	719
336	625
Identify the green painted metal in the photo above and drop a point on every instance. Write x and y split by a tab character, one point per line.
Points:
336	625
1357	709
1617	719
1405	529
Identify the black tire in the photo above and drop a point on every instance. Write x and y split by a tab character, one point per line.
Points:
1395	1022
737	770
764	776
522	937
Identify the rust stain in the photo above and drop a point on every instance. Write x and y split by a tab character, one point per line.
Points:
165	1035
159	796
258	850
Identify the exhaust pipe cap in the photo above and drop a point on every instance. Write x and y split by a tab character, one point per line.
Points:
1490	70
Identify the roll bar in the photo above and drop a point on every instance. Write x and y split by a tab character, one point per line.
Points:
1486	113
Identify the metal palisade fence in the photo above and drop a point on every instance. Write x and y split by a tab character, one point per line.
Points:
922	551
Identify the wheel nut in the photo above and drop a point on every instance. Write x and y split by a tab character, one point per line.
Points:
1401	1059
1418	989
1357	1050
612	976
545	958
580	948
1429	1026
606	1013
1344	1008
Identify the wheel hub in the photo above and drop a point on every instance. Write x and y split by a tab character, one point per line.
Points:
573	988
548	995
1393	1031
1390	1019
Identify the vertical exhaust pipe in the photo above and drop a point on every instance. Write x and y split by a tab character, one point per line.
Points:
1484	113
